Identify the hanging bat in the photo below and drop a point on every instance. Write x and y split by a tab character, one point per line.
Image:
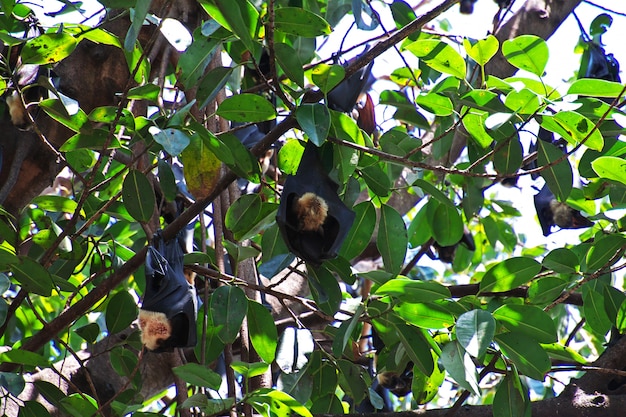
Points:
167	317
311	217
345	95
552	212
467	6
446	253
600	65
400	384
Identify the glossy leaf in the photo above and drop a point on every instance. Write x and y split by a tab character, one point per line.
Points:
211	84
241	215
376	179
250	370
238	16
528	320
48	48
457	362
174	141
449	230
509	274
32	277
198	375
596	88
605	252
416	346
561	260
595	312
247	107
481	50
121	312
325	290
228	309
361	232
289	61
509	400
79	405
610	167
437	104
300	22
575	128
314	119
413	291
263	333
202	166
392	238
440	56
474	331
527	52
138	196
525	353
425	315
545	290
327	77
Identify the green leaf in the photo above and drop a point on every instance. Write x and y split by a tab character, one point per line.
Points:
376	179
121	312
138	196
437	104
425	315
262	329
247	107
55	203
289	61
474	123
32	277
413	291
439	56
527	52
596	88
229	306
474	331
529	320
327	77
242	214
509	274
238	16
79	405
314	119
361	232
89	332
559	176
524	101
620	320
97	139
198	375
211	84
325	289
509	401
48	48
508	158
57	110
610	167
545	290
416	346
574	128
392	239
250	370
149	92
174	141
561	260
33	409
24	357
193	62
595	312
563	353
434	192
351	380
300	22
449	230
525	353
482	50
459	365
202	165
344	333
605	252
49	391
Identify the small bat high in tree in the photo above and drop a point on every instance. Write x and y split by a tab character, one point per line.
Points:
167	317
552	212
311	217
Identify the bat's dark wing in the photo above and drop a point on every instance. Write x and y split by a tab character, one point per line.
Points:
318	245
344	96
168	292
543	201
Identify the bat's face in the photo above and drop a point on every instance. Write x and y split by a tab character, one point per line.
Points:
398	384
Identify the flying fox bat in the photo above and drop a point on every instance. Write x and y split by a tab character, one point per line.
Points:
311	217
552	212
167	317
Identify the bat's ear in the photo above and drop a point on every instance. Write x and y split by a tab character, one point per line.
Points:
169	308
